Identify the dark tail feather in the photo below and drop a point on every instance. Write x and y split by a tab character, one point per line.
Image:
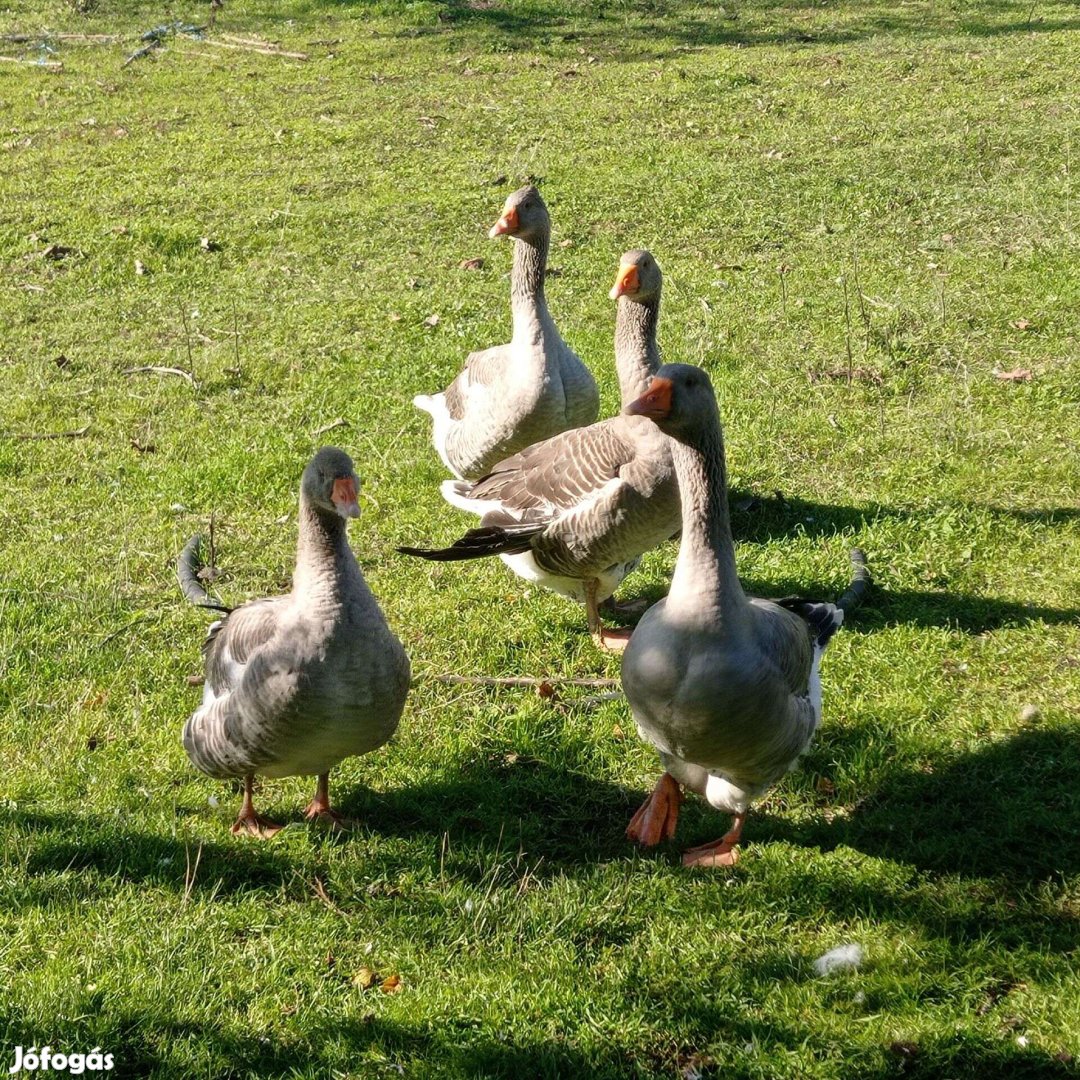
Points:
480	543
825	619
860	582
188	566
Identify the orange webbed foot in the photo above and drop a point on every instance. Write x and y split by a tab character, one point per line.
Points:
722	852
252	824
324	815
612	640
658	815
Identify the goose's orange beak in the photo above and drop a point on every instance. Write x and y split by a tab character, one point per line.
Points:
508	223
343	496
627	281
655	403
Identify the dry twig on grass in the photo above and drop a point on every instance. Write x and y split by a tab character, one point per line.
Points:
160	371
78	433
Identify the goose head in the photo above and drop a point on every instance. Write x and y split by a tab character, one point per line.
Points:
639	278
523	216
330	483
680	401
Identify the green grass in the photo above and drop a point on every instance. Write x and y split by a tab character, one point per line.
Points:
914	158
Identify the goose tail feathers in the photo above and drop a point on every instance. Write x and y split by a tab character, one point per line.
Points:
510	539
860	582
188	566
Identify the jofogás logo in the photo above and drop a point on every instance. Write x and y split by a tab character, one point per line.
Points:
31	1059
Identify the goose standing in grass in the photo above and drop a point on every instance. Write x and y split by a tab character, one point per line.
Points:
575	513
296	683
725	686
511	396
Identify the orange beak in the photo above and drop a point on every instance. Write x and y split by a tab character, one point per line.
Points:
343	496
508	223
655	403
627	281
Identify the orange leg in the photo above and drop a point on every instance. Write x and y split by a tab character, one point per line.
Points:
609	640
319	807
722	852
658	815
248	821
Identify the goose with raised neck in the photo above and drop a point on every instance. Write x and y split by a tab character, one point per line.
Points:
510	396
296	683
574	513
725	686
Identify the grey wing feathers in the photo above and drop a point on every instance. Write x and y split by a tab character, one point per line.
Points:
234	639
558	473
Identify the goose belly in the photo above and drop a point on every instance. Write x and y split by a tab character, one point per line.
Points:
526	566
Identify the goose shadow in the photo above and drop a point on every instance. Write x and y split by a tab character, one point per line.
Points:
105	850
760	518
557	817
1008	812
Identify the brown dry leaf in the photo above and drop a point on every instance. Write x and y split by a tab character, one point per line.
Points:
471	264
432	320
194	680
391	984
1016	375
617	732
365	979
394	317
1022	324
825	786
545	690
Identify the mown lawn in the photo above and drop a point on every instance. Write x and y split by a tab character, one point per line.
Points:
866	212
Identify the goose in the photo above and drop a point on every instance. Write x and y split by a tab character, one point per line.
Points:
574	513
510	396
296	683
725	686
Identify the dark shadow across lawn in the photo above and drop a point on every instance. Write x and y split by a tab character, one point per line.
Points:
1009	811
651	24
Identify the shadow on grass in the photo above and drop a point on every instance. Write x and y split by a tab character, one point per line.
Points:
462	1047
556	818
652	25
106	850
757	519
1010	811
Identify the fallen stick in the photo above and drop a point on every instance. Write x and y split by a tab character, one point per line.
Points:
265	50
88	39
28	435
488	680
160	371
48	65
339	422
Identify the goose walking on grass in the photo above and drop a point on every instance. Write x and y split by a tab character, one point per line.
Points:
575	513
296	683
725	686
511	396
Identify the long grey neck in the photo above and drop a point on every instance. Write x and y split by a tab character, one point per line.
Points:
323	555
705	585
527	286
637	355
